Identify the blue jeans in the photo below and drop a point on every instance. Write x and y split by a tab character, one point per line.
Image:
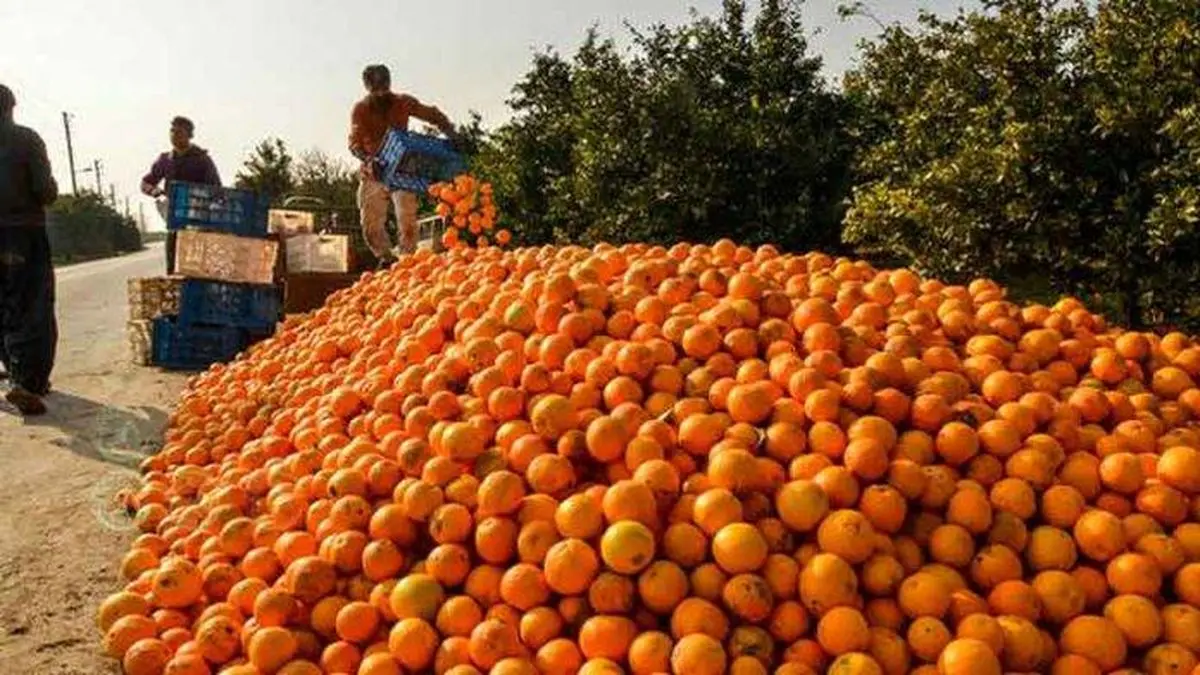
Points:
28	329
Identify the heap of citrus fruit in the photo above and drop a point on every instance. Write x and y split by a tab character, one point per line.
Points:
467	207
696	460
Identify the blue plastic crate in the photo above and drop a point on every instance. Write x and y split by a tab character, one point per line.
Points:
220	209
176	346
225	304
413	162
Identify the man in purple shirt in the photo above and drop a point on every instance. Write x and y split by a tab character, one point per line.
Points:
184	162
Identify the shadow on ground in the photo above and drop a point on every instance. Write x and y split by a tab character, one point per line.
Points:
108	433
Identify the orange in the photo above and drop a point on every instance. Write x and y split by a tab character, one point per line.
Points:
126	631
698	654
684	458
146	657
968	657
1095	638
271	648
627	547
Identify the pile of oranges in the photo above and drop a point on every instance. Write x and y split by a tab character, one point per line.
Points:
470	214
697	460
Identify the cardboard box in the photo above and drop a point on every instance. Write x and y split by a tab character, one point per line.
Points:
290	223
326	253
225	257
152	297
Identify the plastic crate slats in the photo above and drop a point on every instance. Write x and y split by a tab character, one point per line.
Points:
412	162
218	303
194	347
220	209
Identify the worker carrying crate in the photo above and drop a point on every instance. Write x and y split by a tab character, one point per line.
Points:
396	163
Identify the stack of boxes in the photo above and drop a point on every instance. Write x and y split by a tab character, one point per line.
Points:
225	262
149	299
315	264
224	294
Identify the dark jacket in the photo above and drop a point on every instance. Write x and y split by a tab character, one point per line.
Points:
191	166
26	185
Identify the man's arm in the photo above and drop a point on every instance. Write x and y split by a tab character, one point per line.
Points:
150	181
45	188
430	114
211	175
358	146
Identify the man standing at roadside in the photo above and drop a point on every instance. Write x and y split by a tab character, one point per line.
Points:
28	331
183	162
370	121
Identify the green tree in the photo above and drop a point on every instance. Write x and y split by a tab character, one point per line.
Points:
314	181
721	127
333	183
528	160
471	134
974	142
1037	140
331	180
85	227
268	170
1145	98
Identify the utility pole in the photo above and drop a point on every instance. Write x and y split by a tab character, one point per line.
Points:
70	152
96	169
112	195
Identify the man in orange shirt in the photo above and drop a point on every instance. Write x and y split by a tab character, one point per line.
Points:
379	111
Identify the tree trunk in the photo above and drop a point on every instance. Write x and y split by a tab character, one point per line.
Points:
1133	306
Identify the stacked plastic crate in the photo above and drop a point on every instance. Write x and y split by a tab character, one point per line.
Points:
149	298
412	162
228	297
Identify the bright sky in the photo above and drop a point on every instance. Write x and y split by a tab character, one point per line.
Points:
247	69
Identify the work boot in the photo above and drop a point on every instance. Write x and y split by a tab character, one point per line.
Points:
28	403
384	263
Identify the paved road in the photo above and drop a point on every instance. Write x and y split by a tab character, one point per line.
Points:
61	541
92	312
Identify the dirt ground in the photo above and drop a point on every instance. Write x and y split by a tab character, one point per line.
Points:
61	535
